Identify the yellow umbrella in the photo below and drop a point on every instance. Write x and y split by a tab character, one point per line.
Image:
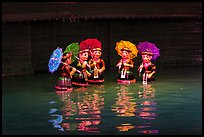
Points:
126	45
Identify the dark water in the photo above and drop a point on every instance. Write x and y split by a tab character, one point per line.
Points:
170	106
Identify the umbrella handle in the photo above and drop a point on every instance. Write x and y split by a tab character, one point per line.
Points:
76	57
71	67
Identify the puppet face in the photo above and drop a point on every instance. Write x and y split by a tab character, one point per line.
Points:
146	58
84	56
96	54
125	54
69	60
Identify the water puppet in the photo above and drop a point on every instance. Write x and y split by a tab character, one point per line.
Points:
127	51
147	69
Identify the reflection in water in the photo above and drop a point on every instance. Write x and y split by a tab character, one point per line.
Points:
125	106
57	118
146	109
147	91
125	127
83	113
89	107
137	114
61	115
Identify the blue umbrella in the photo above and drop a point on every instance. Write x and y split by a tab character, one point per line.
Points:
55	60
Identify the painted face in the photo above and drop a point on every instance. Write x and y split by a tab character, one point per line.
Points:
96	54
69	58
146	58
125	54
84	56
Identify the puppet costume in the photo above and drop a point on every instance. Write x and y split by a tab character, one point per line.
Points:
81	79
151	68
96	76
125	73
66	72
64	81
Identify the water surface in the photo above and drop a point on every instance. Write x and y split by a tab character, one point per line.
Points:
170	106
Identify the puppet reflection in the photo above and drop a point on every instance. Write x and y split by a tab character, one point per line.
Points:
82	114
147	108
125	106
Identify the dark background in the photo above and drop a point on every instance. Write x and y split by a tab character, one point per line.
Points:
32	30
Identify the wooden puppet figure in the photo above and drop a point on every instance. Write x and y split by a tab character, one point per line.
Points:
148	51
66	73
97	65
147	69
125	66
81	78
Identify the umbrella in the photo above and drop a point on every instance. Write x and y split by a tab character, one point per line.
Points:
148	47
74	49
55	60
126	44
90	43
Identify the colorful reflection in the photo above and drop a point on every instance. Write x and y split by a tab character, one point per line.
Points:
81	110
146	91
64	114
89	110
125	127
147	107
125	106
56	122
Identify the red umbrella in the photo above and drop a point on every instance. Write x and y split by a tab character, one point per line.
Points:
90	44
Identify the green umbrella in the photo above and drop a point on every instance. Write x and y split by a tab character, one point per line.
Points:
74	48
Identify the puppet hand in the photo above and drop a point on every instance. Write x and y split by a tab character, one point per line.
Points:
94	63
85	63
149	75
72	72
126	64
